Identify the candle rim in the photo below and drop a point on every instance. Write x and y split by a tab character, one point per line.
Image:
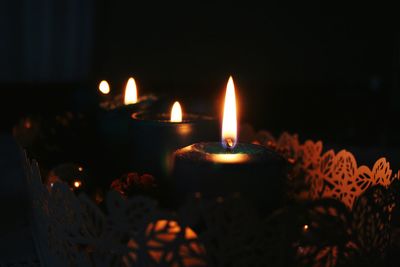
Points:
258	153
117	100
240	148
188	118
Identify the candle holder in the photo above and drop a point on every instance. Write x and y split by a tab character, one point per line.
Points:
337	213
326	174
335	193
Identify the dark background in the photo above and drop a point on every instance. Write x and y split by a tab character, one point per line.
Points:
328	72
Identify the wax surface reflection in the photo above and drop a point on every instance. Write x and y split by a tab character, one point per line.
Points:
229	158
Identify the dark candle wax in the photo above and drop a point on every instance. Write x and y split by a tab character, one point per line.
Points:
114	134
251	169
154	138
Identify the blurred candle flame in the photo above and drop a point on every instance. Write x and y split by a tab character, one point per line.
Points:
176	112
229	121
104	87
27	124
130	92
77	184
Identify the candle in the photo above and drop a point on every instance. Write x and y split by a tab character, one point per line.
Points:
114	120
215	168
129	100
155	136
113	123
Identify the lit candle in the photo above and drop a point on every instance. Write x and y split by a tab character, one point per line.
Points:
104	87
114	120
105	97
107	100
229	166
128	100
131	101
155	136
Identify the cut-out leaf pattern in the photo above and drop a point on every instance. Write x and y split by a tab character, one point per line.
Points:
344	218
327	174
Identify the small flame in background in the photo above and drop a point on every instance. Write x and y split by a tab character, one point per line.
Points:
229	121
176	112
104	87
77	183
130	92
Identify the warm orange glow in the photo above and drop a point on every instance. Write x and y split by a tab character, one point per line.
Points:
229	121
229	158
190	234
28	124
77	184
104	87
184	129
163	232
130	92
176	112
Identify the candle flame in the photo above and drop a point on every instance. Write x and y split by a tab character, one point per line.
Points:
104	87
77	184
229	121
176	112
130	92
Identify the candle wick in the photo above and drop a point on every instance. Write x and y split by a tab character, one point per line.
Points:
229	144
